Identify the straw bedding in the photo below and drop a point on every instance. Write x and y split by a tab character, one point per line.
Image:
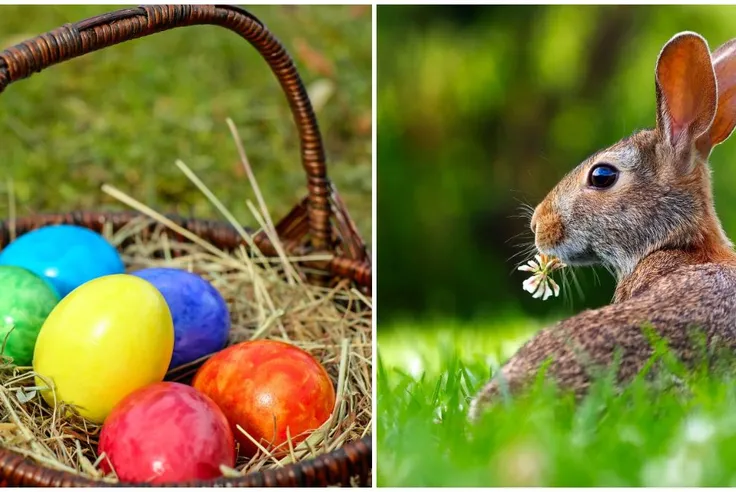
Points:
268	299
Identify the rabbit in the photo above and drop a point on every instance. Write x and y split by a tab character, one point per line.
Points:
643	207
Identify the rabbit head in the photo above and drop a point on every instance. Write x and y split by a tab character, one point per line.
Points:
651	190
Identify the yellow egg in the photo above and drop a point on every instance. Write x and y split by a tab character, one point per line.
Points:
104	340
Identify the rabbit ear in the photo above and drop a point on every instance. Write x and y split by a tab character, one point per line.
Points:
724	64
686	91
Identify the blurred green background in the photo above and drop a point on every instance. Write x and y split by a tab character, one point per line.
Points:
123	115
482	108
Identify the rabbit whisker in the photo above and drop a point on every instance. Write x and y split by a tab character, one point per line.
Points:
526	254
522	233
596	278
576	282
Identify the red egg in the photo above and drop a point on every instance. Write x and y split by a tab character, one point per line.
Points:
267	387
166	432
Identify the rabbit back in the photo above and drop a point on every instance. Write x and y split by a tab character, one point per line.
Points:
691	299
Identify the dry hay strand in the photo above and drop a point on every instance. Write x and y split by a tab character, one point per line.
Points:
267	299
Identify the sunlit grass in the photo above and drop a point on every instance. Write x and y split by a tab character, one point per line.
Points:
416	349
681	431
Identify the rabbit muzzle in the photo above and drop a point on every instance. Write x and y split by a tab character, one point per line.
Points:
550	237
547	226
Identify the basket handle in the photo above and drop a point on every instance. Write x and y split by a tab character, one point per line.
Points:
73	40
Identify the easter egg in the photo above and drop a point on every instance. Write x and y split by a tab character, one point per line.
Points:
25	302
166	432
201	317
66	255
103	341
267	387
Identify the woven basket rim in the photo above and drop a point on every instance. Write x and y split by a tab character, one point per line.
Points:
360	451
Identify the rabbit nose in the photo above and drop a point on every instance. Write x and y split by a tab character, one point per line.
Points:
534	221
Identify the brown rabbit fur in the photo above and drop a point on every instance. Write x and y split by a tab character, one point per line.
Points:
655	226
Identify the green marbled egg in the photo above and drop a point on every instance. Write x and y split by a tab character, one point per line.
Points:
25	302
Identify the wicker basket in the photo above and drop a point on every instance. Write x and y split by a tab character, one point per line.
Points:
319	223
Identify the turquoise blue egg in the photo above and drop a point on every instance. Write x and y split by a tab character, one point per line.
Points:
66	256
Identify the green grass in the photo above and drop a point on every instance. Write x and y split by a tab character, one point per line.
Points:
125	114
647	435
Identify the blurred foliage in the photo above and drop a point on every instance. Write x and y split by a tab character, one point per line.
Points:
123	115
482	108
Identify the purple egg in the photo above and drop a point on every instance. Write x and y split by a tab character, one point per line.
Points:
200	314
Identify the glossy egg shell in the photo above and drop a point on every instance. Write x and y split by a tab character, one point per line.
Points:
66	255
103	341
166	432
201	317
25	302
266	387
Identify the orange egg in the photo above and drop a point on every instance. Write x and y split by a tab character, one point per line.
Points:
267	387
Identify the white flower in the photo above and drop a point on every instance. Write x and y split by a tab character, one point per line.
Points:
541	284
532	283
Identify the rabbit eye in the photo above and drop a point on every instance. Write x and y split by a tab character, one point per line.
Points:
603	176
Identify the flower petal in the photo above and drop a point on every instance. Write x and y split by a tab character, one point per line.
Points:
555	265
555	287
531	284
526	268
547	291
540	291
